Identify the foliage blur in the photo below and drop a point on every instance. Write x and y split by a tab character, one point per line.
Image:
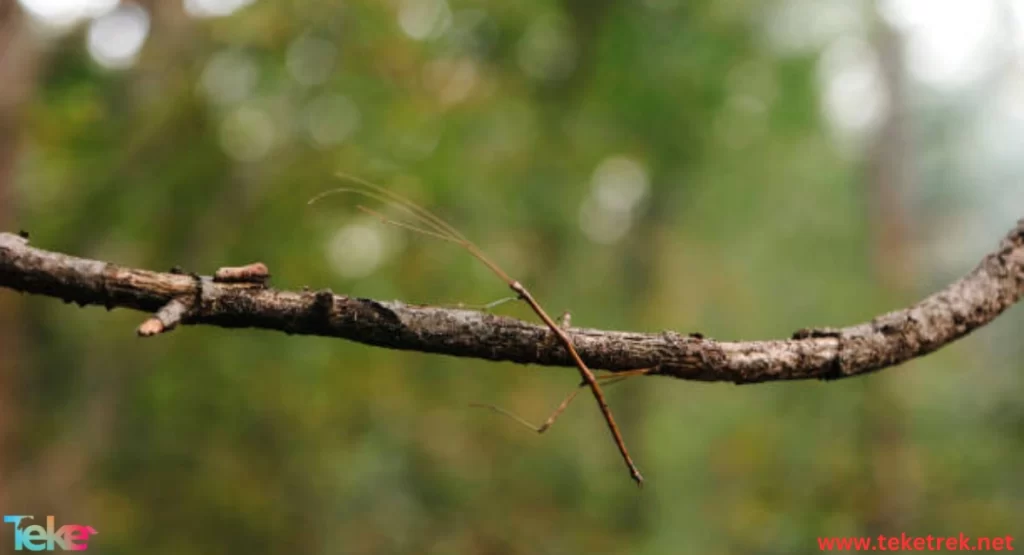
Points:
741	169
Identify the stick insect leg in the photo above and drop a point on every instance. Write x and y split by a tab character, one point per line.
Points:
565	320
608	380
482	307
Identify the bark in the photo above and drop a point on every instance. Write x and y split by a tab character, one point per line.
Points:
821	353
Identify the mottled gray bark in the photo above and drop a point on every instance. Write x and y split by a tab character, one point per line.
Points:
823	353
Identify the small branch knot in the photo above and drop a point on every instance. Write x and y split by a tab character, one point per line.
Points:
167	318
257	272
808	333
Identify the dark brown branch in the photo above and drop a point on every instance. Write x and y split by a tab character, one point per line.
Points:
887	340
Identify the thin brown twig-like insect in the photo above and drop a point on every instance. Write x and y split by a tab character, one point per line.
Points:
434	226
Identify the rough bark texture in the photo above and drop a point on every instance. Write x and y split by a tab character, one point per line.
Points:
827	353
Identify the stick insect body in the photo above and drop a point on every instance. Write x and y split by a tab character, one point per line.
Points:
429	224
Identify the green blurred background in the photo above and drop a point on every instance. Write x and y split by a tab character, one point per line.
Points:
742	169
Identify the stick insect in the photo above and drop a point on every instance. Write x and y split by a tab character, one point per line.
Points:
431	225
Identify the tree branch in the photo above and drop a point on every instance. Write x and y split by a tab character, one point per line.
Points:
827	353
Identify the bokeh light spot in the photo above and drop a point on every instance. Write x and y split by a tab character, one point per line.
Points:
214	8
62	13
310	60
115	38
949	42
329	119
854	96
356	250
247	134
424	19
618	186
451	80
229	76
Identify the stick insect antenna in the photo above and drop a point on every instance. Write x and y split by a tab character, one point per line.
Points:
403	201
435	230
